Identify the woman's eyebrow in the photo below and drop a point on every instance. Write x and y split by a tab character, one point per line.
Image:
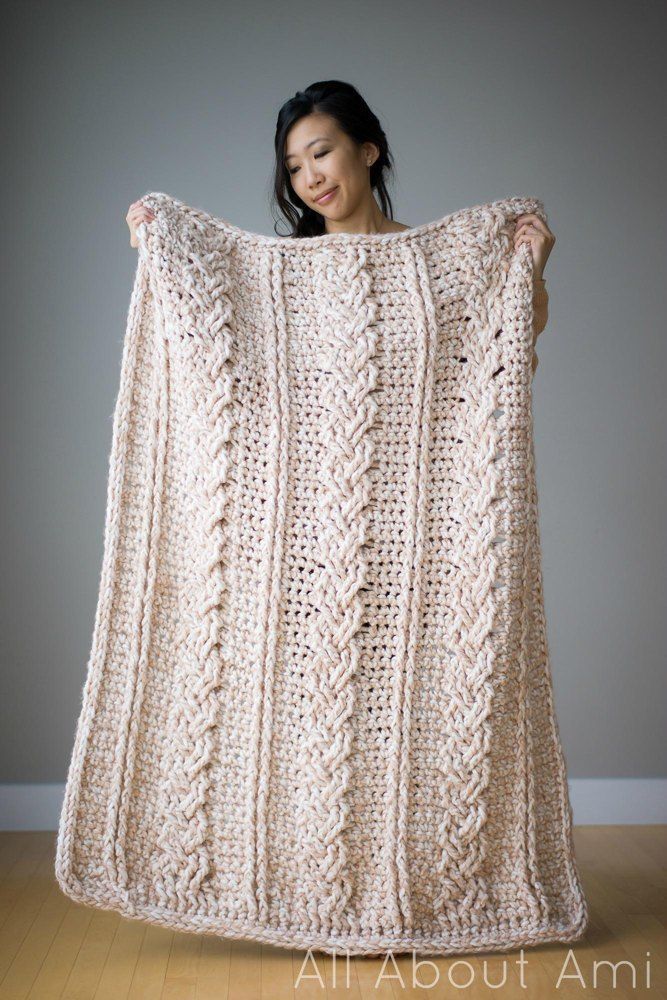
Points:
311	143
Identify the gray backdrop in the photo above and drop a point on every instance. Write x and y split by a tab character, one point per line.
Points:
480	101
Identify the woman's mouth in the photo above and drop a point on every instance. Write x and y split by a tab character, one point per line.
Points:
323	199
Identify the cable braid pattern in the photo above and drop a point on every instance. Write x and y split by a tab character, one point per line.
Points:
183	869
348	346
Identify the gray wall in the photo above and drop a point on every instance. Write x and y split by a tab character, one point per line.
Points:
480	101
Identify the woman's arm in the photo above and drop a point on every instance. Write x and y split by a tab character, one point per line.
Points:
531	229
540	313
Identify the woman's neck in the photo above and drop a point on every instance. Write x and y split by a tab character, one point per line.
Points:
368	219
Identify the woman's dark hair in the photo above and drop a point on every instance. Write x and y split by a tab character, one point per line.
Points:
344	103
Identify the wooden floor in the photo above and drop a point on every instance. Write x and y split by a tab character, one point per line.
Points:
52	947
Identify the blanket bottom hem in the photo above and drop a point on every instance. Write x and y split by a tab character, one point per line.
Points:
548	932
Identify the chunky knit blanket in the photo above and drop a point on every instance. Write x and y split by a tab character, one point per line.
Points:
319	709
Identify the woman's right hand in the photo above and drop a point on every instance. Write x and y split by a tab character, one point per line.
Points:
137	213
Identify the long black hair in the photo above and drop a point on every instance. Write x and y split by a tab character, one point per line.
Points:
344	103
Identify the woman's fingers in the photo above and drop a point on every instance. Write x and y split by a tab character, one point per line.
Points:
136	220
139	204
530	218
140	213
138	208
532	224
137	213
527	227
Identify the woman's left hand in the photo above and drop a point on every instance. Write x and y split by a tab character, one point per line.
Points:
533	230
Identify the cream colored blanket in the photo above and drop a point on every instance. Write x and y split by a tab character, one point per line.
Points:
319	708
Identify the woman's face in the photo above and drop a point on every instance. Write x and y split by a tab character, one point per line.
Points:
320	157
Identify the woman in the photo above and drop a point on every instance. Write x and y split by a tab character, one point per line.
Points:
331	156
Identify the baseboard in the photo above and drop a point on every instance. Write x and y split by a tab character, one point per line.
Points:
594	800
618	800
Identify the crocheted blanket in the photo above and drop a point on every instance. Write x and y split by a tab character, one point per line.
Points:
319	709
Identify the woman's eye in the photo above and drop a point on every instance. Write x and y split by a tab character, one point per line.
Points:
317	157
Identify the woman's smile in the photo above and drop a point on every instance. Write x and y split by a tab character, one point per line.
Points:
324	198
